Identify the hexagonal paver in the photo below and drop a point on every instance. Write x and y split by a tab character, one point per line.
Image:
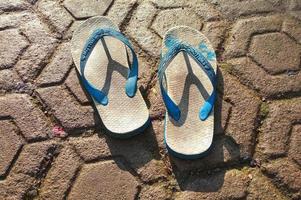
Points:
87	8
11	142
167	19
276	52
104	180
11	44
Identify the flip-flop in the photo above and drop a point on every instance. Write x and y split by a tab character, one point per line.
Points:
109	75
187	77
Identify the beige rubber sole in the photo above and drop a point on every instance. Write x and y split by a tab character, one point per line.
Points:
188	86
107	69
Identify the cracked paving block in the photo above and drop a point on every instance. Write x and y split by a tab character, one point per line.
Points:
139	31
28	118
73	84
237	43
65	109
232	9
87	8
295	141
57	68
267	85
113	182
275	52
11	143
28	169
260	187
58	17
231	184
293	28
286	175
12	45
167	19
275	131
59	178
9	80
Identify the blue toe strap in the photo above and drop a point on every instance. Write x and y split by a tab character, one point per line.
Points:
131	83
201	55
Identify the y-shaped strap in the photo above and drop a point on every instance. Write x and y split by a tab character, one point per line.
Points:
131	83
174	48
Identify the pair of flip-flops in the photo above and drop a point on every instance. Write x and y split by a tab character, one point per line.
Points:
108	70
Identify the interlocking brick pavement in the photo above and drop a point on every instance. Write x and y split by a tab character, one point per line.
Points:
256	151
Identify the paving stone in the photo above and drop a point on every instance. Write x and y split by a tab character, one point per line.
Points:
155	191
167	19
295	141
267	85
113	182
68	112
8	5
293	28
119	10
11	142
235	8
87	8
139	31
285	174
157	107
222	113
60	175
152	171
230	184
261	187
241	123
56	14
271	52
57	68
43	45
30	166
237	42
30	120
222	152
214	31
12	45
73	27
9	80
73	84
275	131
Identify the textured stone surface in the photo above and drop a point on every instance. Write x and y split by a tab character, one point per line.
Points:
68	112
222	185
256	147
87	8
271	52
11	143
30	119
59	177
285	174
113	182
276	129
59	18
12	45
58	67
